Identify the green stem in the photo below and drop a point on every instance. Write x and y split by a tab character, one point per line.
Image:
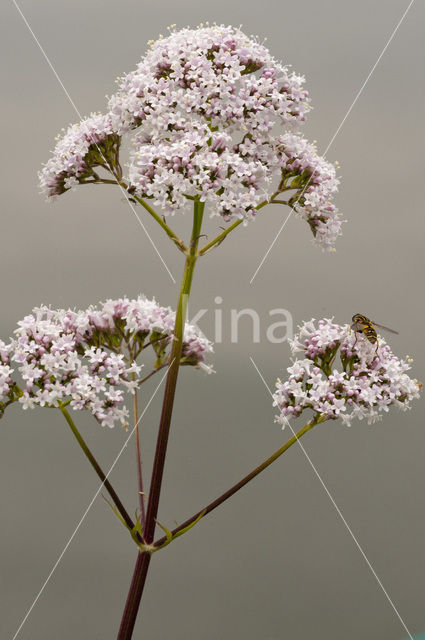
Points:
97	468
170	233
225	496
100	181
143	558
218	239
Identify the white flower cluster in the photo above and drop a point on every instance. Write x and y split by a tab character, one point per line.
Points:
208	73
316	183
86	358
206	106
192	95
88	144
6	382
366	384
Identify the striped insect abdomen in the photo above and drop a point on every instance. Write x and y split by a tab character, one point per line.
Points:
370	333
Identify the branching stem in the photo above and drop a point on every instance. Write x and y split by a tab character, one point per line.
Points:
96	466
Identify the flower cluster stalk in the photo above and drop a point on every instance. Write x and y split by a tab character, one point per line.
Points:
119	505
255	472
170	233
143	559
219	239
139	456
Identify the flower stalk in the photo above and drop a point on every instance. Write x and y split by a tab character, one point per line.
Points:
96	466
170	233
236	487
138	455
221	236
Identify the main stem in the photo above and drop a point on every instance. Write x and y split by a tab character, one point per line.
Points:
143	558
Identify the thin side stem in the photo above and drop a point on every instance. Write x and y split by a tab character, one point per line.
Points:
152	373
99	181
143	560
139	457
219	239
236	487
96	466
170	233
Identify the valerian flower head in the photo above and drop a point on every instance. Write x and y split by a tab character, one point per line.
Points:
339	376
90	143
316	183
214	116
88	359
6	383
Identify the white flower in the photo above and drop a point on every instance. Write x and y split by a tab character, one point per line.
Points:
71	183
27	401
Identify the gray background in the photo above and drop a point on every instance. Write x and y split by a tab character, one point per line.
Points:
275	562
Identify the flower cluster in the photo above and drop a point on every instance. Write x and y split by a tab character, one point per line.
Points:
315	182
206	106
84	146
6	382
207	74
367	383
88	359
191	96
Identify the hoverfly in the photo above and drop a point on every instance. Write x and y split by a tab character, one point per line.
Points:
363	324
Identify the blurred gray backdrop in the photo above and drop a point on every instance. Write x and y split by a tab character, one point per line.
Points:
275	562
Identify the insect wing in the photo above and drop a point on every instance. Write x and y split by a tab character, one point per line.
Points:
385	328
